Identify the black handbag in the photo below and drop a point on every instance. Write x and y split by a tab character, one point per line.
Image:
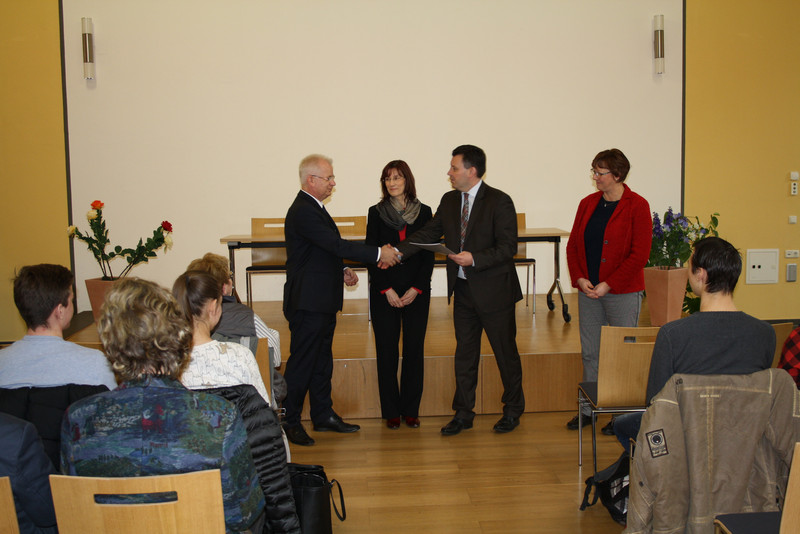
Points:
313	495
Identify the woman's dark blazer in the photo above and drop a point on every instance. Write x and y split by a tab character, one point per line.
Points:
415	272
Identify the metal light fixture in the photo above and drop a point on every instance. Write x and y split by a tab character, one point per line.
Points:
658	43
88	48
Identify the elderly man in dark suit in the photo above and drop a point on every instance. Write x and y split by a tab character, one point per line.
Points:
312	296
479	222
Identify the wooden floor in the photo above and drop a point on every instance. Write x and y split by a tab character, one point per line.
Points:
416	480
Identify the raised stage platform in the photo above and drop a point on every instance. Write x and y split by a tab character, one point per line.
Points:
549	349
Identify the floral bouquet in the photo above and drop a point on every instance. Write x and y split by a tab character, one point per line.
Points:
673	240
672	245
97	241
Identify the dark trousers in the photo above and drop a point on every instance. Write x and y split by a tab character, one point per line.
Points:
501	329
386	325
310	365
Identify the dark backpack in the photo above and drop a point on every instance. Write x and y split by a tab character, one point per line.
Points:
611	487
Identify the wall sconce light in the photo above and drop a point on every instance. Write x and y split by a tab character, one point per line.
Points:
88	48
658	43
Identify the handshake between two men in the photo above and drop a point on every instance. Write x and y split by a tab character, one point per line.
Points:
389	257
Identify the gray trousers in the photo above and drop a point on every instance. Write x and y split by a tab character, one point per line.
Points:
593	314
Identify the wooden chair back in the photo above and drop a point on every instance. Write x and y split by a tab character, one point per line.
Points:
352	226
790	517
782	331
268	227
197	508
624	365
522	248
8	513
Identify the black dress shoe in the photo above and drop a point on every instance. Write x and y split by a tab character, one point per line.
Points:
334	423
573	423
297	435
455	426
506	424
608	430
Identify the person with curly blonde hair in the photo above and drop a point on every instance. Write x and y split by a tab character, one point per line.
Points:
151	424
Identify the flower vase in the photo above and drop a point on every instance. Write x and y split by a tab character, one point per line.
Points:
665	289
97	289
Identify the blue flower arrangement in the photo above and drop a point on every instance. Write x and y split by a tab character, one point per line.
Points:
673	240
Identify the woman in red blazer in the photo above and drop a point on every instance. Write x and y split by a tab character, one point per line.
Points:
399	297
607	250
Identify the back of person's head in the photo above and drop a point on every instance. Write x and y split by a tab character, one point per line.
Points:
213	264
472	156
143	331
193	290
615	161
38	289
722	262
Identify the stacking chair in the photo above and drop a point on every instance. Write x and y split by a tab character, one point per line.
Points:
182	503
352	227
785	522
8	512
265	260
621	387
782	331
521	258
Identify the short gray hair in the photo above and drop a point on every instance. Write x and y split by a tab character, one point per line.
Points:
309	162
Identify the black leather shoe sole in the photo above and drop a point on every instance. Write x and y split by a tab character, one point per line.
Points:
455	426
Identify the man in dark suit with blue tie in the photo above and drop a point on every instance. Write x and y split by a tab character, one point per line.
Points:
479	222
312	296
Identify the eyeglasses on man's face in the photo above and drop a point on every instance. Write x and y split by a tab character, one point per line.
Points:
328	179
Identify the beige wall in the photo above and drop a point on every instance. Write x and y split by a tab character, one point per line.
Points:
743	132
204	121
34	214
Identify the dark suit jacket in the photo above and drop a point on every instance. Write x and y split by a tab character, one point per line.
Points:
416	272
45	407
314	252
491	238
22	458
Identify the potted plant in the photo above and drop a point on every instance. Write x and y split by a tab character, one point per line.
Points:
97	241
665	278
